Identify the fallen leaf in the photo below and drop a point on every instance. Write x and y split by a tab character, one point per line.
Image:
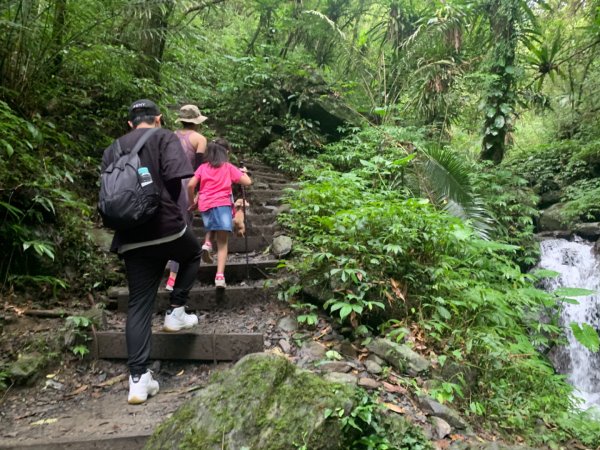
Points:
77	391
395	408
96	394
51	375
180	373
113	380
394	388
441	444
323	332
44	422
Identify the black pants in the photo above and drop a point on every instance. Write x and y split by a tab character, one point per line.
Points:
145	267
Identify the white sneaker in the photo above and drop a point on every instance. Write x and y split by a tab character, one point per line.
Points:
141	387
207	253
177	319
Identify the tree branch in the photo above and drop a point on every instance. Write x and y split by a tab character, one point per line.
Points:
202	6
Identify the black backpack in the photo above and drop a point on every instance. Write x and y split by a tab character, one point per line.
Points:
128	196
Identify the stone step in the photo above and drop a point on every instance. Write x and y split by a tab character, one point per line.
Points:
252	165
269	177
134	442
182	345
238	244
203	298
269	196
236	272
252	229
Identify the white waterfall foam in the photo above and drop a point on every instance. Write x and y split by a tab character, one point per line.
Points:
578	268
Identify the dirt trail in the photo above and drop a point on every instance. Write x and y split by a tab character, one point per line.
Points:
82	401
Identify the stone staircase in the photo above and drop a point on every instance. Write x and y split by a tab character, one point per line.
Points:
250	284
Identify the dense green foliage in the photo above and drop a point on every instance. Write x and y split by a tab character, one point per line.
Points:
379	258
390	111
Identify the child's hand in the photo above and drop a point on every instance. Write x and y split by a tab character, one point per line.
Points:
193	207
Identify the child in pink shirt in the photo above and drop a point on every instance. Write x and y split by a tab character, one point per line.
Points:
216	176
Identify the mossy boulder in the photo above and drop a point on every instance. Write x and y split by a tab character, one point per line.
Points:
27	367
264	402
400	357
552	218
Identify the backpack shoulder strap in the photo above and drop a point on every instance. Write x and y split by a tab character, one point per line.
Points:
142	140
118	151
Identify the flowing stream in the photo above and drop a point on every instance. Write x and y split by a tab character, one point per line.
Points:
579	267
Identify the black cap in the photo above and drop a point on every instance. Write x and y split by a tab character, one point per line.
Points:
143	107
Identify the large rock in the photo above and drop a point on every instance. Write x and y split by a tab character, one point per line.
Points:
400	357
27	368
436	409
589	230
282	246
265	403
552	219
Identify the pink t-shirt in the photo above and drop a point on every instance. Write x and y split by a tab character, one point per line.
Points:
215	184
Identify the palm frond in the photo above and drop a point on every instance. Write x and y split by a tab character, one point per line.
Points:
447	181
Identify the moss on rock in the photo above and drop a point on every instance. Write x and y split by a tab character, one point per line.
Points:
264	403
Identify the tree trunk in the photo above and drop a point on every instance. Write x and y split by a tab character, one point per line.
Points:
155	27
501	97
58	32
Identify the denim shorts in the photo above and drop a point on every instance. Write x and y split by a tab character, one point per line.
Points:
218	219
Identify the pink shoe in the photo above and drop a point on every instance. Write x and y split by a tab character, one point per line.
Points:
220	281
170	284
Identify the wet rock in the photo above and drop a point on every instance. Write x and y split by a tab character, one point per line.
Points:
334	366
347	349
288	324
436	409
311	351
373	367
399	356
284	345
441	428
342	378
54	385
281	246
552	218
369	383
549	198
589	231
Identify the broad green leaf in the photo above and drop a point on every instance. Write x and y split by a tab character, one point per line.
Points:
9	149
443	312
586	336
573	292
545	273
499	122
347	309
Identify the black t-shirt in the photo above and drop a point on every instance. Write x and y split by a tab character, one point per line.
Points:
165	158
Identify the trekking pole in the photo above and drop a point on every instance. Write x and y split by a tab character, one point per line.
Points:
245	229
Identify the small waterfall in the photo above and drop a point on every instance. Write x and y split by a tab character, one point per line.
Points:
579	268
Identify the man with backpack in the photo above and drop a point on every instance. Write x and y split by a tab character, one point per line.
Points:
155	233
